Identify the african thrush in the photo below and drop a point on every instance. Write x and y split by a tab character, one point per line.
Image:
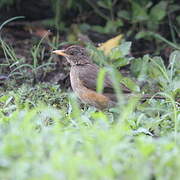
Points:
83	75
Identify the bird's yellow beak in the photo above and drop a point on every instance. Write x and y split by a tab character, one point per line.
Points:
60	52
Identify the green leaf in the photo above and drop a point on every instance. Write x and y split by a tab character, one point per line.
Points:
120	51
139	67
10	20
124	14
136	66
176	88
174	59
125	48
130	84
116	53
105	4
110	27
139	13
158	12
121	62
143	34
100	80
158	71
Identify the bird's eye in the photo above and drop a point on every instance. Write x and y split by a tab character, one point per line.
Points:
71	53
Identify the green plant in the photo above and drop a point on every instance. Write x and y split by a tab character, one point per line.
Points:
6	2
18	67
85	143
158	37
117	58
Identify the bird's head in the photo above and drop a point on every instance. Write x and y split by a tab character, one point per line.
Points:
75	55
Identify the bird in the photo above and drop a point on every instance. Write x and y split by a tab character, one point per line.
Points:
83	76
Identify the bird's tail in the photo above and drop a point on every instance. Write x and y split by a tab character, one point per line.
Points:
144	97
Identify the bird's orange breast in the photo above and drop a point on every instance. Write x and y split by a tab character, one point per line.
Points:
86	95
95	99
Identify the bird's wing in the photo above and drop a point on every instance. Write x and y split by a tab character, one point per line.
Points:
88	75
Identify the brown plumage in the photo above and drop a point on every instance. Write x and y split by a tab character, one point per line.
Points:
83	75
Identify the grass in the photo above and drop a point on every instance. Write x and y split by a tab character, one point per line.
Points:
44	142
